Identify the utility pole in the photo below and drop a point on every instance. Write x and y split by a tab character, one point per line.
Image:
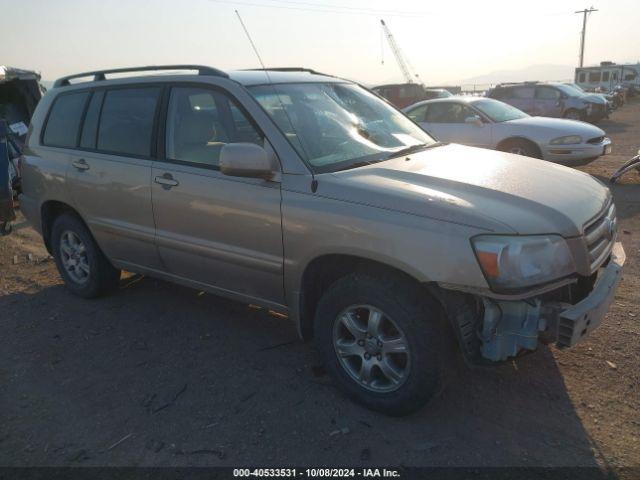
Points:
584	13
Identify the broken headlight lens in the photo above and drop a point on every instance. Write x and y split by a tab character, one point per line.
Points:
513	262
568	140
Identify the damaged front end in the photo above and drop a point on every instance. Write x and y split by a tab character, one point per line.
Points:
496	329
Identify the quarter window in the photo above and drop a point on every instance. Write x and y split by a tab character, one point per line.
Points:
126	123
200	122
64	120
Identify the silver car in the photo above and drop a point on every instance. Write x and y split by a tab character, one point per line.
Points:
486	123
311	196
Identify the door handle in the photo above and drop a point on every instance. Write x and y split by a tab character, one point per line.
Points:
80	164
167	181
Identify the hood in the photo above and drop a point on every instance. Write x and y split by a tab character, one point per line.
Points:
489	190
594	98
550	128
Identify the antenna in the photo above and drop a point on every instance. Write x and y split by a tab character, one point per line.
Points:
253	45
275	90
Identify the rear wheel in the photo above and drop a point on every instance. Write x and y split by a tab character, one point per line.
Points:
379	340
82	265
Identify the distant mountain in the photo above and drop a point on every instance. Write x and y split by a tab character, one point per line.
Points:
533	72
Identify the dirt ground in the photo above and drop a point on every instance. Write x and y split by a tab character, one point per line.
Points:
160	375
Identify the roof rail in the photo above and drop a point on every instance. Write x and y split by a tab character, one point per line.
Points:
285	69
100	74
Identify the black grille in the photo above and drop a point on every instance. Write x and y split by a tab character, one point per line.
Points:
596	140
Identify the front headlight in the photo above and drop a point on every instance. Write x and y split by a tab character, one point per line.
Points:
568	140
513	262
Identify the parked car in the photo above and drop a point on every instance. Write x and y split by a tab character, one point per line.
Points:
309	195
601	94
551	100
404	94
488	123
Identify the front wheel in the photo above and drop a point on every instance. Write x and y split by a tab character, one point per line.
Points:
520	147
379	340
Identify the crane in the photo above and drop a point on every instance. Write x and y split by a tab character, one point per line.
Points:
402	63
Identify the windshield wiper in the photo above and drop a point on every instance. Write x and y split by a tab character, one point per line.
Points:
414	148
361	163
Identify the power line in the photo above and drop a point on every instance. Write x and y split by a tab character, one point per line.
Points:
311	7
584	13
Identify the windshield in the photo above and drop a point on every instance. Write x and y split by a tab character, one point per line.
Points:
570	90
334	126
498	111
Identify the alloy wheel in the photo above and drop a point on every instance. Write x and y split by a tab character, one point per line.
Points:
371	348
73	255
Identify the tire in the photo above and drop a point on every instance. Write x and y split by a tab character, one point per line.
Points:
520	147
573	114
85	270
404	309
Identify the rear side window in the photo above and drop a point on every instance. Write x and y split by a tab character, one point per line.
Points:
523	92
547	93
64	120
126	122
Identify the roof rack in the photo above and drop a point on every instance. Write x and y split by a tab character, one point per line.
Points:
99	75
527	82
286	69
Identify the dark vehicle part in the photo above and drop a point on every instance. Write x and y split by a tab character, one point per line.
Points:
7	214
20	92
632	164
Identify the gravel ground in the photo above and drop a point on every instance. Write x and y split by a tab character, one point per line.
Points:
160	375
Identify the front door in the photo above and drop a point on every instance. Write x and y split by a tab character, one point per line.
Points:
110	177
449	121
219	231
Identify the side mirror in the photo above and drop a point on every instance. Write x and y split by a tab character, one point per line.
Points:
247	160
474	120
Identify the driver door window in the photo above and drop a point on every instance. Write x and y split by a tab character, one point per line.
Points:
446	120
200	122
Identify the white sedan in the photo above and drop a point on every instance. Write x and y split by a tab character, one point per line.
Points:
488	123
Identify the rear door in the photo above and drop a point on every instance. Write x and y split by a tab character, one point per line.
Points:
215	230
448	122
548	101
522	97
110	173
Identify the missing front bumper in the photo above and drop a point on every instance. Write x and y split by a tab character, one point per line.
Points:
509	327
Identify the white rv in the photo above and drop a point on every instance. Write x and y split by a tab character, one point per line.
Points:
608	75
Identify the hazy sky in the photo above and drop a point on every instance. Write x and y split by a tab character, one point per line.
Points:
444	40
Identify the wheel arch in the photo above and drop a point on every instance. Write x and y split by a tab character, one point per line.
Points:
49	211
322	271
519	138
